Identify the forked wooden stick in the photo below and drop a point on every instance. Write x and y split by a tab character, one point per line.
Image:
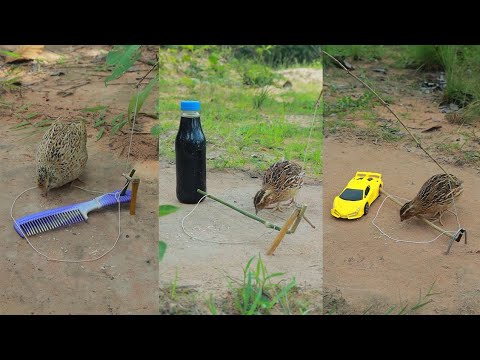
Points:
299	218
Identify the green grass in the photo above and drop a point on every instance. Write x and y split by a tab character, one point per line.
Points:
461	64
173	286
257	294
335	303
356	52
407	309
247	125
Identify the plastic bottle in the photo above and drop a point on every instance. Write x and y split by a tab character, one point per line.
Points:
191	154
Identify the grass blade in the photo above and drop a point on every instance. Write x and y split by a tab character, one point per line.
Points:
282	293
254	306
274	275
44	122
248	265
31	116
390	310
100	133
99	122
9	53
118	126
418	306
95	109
25	123
211	306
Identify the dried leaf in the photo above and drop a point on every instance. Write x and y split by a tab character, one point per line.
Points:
25	52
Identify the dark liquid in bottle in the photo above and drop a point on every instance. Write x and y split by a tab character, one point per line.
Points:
191	159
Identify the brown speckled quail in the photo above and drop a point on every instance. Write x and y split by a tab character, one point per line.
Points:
434	198
62	154
281	182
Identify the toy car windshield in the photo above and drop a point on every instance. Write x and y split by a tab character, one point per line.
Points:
351	195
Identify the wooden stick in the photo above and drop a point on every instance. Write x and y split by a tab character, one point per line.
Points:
133	200
251	216
391	111
308	221
283	231
421	218
298	219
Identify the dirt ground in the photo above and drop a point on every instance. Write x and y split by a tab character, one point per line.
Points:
203	266
126	280
365	271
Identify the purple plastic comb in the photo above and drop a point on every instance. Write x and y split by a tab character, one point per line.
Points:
65	215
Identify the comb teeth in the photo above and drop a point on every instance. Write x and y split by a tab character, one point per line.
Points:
66	215
49	222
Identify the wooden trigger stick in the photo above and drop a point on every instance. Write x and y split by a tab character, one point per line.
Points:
133	200
283	231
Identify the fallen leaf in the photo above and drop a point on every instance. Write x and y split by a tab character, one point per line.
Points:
25	52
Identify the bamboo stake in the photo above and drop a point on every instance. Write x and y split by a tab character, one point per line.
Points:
133	200
251	216
283	231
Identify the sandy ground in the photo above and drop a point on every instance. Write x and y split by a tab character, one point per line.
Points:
125	281
204	266
372	270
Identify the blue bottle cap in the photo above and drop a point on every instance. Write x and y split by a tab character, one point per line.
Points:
189	105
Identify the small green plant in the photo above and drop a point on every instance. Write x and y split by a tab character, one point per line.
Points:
31	121
211	305
257	294
257	75
425	57
348	103
61	60
260	98
99	112
410	310
173	286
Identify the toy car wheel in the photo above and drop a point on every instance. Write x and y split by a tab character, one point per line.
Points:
366	208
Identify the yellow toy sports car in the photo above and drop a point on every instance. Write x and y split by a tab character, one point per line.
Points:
358	195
